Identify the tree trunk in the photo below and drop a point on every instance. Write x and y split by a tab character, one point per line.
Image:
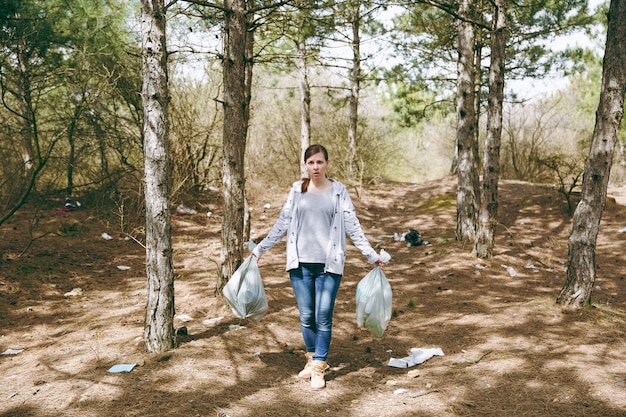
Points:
355	89
305	104
71	158
467	169
237	76
488	215
159	327
581	270
28	129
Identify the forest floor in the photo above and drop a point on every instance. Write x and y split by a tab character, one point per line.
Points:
68	313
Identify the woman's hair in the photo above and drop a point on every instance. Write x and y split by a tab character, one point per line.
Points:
310	151
313	149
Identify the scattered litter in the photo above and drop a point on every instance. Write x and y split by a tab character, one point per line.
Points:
418	355
12	351
479	266
532	267
106	236
413	394
124	367
512	272
184	317
69	206
213	321
181	209
412	237
235	327
123	267
209	214
267	206
74	292
622	230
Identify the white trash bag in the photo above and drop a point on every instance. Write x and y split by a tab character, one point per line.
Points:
373	300
244	291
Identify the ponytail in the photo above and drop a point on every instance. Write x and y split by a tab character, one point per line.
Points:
305	184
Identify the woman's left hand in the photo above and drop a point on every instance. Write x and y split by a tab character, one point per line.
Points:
379	262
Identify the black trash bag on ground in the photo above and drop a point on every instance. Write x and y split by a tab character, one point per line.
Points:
413	238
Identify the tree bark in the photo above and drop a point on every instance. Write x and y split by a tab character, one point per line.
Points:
305	104
467	169
237	76
355	89
158	329
488	214
581	268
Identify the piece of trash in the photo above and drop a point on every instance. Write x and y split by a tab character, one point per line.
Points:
267	206
123	367
418	355
213	321
123	267
184	210
622	230
12	351
69	206
184	317
74	292
236	327
479	266
531	266
106	236
400	391
413	238
512	272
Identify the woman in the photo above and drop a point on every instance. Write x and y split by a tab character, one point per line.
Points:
316	217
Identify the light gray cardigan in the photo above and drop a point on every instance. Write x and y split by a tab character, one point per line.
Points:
344	222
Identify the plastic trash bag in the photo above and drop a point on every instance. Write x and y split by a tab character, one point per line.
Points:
373	301
244	291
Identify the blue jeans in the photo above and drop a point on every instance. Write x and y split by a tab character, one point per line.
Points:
315	292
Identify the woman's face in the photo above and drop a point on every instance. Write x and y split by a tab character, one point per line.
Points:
316	166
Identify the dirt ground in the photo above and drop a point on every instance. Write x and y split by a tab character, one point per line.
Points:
70	313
